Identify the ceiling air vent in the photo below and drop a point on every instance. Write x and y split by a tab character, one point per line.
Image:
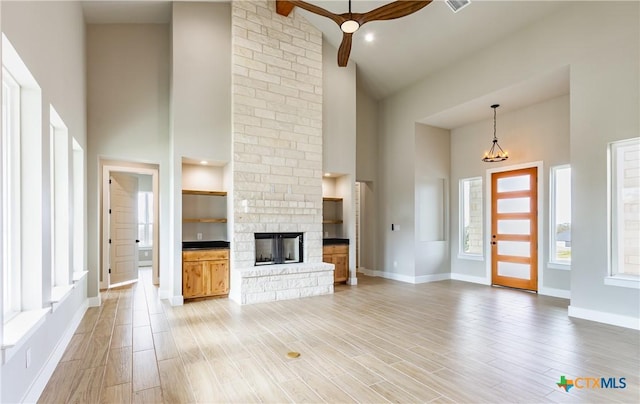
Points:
457	5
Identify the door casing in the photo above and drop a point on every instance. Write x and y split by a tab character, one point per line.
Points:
106	167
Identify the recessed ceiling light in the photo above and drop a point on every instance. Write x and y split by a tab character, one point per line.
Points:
327	174
203	162
369	37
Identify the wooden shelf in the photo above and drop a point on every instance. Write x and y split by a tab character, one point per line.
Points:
204	220
332	222
331	199
208	193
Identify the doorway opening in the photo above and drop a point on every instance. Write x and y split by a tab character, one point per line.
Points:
129	223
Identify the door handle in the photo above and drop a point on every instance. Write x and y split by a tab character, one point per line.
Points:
137	241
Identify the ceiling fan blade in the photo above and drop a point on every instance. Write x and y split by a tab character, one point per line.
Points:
391	11
344	50
338	19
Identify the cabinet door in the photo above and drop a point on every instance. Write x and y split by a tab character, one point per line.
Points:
328	258
217	278
341	262
192	279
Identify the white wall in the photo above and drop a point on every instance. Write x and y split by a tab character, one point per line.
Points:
600	43
128	118
200	102
431	202
201	80
366	171
50	39
338	113
366	137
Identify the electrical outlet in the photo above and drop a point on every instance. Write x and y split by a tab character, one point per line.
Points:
199	236
27	358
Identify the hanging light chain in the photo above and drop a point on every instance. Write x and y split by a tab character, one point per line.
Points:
495	155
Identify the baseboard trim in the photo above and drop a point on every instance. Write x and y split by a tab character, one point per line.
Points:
405	278
606	318
38	385
164	294
432	278
94	301
470	278
554	292
177	300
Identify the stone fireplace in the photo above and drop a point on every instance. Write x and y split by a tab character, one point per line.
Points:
277	152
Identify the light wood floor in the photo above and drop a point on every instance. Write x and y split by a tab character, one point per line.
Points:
379	341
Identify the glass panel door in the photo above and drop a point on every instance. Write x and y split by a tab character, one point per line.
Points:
514	226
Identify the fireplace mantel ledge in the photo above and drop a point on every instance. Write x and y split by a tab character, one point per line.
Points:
285	269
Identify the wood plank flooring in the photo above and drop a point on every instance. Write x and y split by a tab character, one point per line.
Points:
380	341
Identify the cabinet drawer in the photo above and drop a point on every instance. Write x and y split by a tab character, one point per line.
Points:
335	249
205	255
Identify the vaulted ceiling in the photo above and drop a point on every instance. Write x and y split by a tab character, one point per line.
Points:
402	51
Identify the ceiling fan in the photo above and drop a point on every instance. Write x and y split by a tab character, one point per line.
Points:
351	22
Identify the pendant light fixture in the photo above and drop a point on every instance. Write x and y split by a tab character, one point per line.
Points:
496	153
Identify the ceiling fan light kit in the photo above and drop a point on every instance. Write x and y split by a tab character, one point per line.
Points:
349	26
350	22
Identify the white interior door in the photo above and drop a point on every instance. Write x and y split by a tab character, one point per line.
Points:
123	228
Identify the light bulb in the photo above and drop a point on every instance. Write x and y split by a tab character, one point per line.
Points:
349	26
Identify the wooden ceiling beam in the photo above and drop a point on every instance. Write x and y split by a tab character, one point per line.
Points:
284	7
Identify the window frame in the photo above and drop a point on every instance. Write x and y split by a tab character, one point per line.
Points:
61	267
461	219
11	196
553	262
146	239
615	245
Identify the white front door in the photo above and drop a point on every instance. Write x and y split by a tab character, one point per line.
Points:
123	228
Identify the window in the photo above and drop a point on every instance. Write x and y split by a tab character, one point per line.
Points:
624	206
78	206
145	218
11	245
560	215
471	217
60	202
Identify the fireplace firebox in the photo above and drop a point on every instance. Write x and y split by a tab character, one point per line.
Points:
278	248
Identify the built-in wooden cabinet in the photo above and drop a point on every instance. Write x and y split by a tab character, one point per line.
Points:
205	273
338	255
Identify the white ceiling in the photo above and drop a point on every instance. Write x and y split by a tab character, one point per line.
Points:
404	50
126	11
410	48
